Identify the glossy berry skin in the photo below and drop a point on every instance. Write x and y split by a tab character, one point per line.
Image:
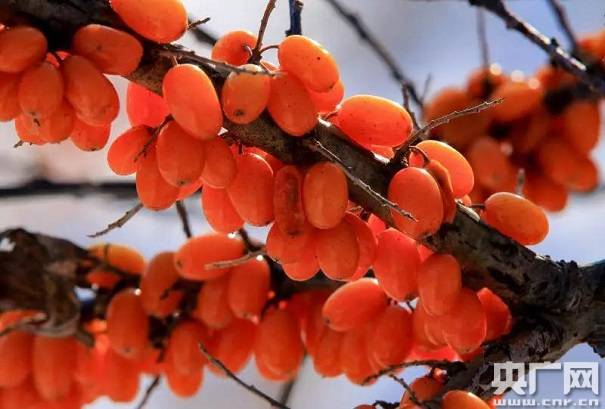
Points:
248	288
499	317
287	201
245	96
290	105
20	48
126	150
162	21
220	167
153	191
89	138
191	259
180	156
391	338
127	324
308	61
157	297
325	195
144	107
212	307
54	360
439	283
9	96
337	251
219	211
465	325
396	264
231	48
40	90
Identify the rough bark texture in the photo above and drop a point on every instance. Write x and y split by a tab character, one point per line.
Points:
558	304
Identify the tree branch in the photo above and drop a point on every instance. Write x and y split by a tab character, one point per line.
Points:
563	20
295	8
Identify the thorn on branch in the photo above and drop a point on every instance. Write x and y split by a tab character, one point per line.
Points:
148	392
563	21
412	395
216	362
450	367
184	216
482	36
256	51
296	8
118	223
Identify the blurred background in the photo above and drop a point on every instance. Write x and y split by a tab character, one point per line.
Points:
436	38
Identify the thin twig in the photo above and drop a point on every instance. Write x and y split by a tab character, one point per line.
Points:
366	35
236	262
148	392
184	216
256	54
274	403
201	34
118	223
196	23
286	392
296	8
317	146
42	187
412	395
433	363
153	138
482	36
563	20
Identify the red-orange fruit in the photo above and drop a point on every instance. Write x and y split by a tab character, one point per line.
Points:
162	21
564	165
244	96
353	356
121	378
439	282
220	166
278	345
212	307
325	195
26	132
190	189
53	360
543	191
465	325
309	61
371	120
326	359
233	47
124	258
127	324
251	191
9	96
290	105
519	99
462	400
55	128
366	241
287	201
183	385
153	191
40	90
192	101
219	211
285	248
15	357
157	297
233	345
482	81
20	48
248	288
183	351
180	156
144	107
127	149
424	388
516	217
193	257
88	137
459	169
326	102
337	251
499	318
305	266
414	190
396	264
113	51
492	167
354	304
390	340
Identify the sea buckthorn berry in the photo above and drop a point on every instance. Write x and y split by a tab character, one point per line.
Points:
194	256
354	357
458	167
157	297
127	324
439	282
520	98
499	318
251	191
527	134
126	149
144	107
190	189
233	346
40	90
414	190
285	248
183	385
326	102
54	360
20	48
425	388
308	61
325	195
427	329
121	378
162	21
26	131
153	191
396	264
544	192
337	251
88	137
465	325
9	96
443	179
305	266
564	165
366	241
582	125
516	217
220	166
92	96
244	96
492	167
55	128
219	211
113	51
15	357
248	288
326	359
354	304
278	344
290	105
391	338
183	349
124	258
462	400
483	81
192	101
371	120
233	47
287	201
212	307
180	156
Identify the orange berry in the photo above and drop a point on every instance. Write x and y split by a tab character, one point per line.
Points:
121	380
127	324
192	101
371	120
564	165
390	340
516	217
354	304
482	81
306	264
26	131
92	96
20	48
54	360
55	128
124	258
439	282
325	195
219	211
162	21
183	352
40	90
233	345
220	166
287	201
194	256
326	359
414	190
15	358
9	96
183	385
144	107
326	102
153	191
527	134
520	98
582	125
286	248
462	400
427	329
190	189
126	149
465	325
251	191
366	241
212	306
232	48
180	156
396	264
499	318
492	167
290	105
248	288
244	96
88	137
337	251
309	62
353	356
425	388
157	297
543	191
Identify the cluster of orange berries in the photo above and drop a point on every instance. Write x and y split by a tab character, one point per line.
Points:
551	142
